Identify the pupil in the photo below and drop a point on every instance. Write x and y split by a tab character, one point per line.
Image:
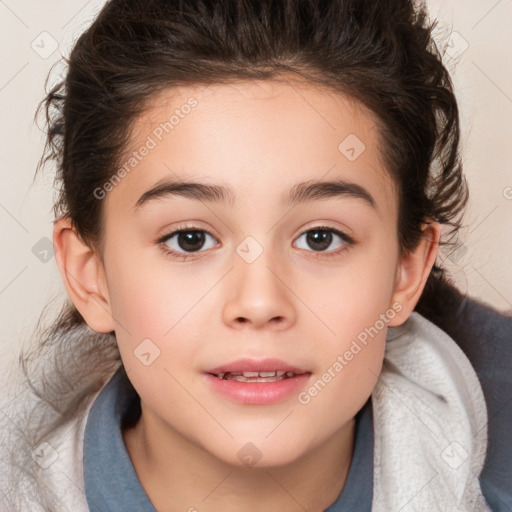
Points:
321	238
191	240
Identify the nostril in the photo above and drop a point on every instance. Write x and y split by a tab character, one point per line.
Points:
275	319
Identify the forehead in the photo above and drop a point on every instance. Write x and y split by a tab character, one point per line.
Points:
255	137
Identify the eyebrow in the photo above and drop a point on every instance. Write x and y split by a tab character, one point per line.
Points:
301	192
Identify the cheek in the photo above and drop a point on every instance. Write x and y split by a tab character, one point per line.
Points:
351	299
156	315
354	308
345	381
148	300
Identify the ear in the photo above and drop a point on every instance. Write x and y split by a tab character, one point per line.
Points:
413	271
83	275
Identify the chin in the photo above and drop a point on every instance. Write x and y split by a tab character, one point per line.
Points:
260	453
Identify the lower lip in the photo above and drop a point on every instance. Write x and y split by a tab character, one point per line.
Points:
258	393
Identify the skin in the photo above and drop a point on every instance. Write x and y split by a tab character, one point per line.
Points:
293	302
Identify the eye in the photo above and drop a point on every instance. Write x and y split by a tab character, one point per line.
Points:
186	240
322	238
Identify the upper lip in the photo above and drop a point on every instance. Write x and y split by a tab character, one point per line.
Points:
256	365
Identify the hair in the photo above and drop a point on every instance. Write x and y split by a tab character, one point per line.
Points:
380	53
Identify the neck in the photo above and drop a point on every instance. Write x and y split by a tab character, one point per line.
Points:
173	470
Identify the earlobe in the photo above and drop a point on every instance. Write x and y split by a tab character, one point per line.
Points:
413	271
83	275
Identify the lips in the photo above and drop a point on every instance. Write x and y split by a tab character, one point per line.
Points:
257	381
257	376
254	370
257	390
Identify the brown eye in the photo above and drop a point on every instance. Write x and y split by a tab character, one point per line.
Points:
185	241
319	240
190	240
322	238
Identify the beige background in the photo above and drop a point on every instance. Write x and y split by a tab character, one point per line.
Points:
480	38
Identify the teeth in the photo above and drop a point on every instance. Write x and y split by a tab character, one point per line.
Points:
272	376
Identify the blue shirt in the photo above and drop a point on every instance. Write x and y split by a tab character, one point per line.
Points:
112	485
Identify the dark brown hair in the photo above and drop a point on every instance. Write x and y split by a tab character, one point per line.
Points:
378	52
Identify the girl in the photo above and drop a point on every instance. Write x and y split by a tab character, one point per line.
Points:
251	202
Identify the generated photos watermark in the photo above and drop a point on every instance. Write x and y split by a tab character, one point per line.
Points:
151	142
342	360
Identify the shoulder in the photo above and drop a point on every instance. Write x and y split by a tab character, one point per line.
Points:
429	417
484	334
39	472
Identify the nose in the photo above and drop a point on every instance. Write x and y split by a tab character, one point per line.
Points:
259	296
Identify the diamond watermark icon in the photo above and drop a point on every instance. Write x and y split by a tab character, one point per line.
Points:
44	45
249	454
45	455
249	249
456	255
147	352
351	147
456	45
454	455
43	250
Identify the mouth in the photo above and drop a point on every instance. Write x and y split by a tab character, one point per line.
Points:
271	376
253	381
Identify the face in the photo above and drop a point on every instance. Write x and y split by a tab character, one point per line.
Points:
263	275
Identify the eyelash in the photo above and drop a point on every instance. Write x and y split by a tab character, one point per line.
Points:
181	229
348	241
